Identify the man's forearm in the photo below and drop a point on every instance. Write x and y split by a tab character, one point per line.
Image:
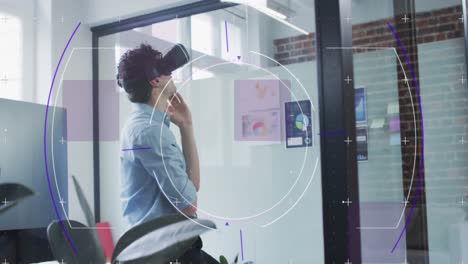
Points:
189	148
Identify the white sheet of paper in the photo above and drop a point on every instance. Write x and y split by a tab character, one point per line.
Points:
377	123
393	108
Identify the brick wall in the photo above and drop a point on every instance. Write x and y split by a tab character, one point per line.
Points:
295	49
435	25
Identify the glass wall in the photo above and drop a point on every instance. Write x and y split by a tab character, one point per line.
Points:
411	100
252	90
375	81
444	100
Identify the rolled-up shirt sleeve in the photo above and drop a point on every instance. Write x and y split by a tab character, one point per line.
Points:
162	158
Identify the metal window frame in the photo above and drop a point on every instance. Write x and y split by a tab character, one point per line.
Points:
417	234
465	30
342	240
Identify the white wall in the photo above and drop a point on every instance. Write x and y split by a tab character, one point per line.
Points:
109	150
51	37
80	154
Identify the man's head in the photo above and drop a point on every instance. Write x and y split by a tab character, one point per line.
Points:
134	71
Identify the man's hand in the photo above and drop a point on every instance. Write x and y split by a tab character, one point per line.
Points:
180	115
178	111
191	210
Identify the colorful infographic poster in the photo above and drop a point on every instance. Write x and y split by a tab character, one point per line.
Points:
298	116
258	109
261	125
360	104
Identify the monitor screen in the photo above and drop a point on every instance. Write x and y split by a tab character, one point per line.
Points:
22	160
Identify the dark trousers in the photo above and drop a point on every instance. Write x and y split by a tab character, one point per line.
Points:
195	255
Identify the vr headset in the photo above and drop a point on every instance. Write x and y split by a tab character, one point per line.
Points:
174	59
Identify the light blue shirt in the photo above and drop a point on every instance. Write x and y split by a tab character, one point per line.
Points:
152	168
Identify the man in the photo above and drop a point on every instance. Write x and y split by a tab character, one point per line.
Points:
157	177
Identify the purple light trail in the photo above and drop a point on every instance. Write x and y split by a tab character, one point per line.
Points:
143	148
45	142
242	245
421	162
227	40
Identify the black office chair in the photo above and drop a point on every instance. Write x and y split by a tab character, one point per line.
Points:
159	240
156	241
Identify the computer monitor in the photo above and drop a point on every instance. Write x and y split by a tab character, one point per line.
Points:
22	161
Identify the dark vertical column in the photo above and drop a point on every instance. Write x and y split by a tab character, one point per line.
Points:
416	232
465	30
97	196
339	165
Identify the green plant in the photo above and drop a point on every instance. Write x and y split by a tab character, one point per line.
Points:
223	259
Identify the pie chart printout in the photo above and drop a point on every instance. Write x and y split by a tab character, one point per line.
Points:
298	115
302	122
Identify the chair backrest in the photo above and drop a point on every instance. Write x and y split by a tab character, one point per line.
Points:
85	240
148	237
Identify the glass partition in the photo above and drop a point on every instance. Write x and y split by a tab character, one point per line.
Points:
410	94
251	87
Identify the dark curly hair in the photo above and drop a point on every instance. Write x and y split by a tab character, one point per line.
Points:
131	72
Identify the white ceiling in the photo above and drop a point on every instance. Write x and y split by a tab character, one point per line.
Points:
105	11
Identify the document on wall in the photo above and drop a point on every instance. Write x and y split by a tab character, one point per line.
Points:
393	108
360	104
361	142
298	116
377	123
258	108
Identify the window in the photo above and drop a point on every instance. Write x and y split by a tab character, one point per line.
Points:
202	34
10	52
